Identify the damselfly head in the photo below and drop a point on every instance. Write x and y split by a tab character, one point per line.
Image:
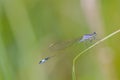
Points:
44	60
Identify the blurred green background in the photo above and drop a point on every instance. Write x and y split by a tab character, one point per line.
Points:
27	27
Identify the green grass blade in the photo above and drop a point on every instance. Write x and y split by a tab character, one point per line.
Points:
98	42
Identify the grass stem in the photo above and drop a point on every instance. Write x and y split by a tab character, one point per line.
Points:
98	42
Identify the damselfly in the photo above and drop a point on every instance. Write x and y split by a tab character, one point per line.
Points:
65	44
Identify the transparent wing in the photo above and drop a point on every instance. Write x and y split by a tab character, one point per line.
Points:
62	45
58	46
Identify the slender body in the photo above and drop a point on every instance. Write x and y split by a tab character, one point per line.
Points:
62	45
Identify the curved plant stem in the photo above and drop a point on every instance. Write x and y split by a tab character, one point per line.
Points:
74	60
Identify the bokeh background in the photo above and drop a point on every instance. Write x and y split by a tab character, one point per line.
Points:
28	27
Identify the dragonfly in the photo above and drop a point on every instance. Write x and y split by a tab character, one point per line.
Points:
65	44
